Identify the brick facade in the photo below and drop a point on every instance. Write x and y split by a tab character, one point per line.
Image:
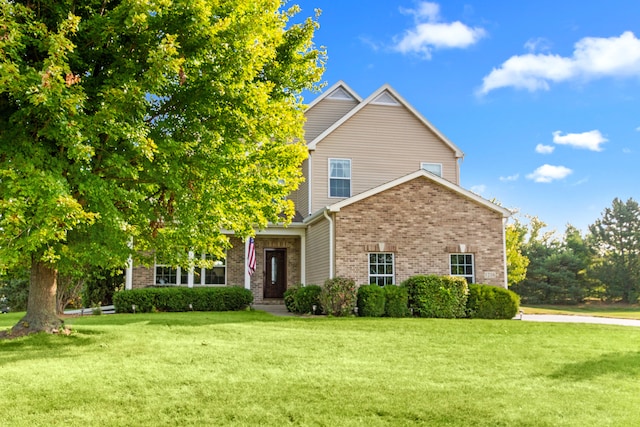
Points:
421	222
144	276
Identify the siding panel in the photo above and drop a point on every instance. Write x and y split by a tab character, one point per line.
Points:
317	253
383	143
324	114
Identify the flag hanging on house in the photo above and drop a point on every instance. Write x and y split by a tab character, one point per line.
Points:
251	256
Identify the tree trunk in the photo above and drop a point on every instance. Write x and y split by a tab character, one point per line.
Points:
41	306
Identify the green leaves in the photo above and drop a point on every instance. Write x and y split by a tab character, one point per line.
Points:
162	121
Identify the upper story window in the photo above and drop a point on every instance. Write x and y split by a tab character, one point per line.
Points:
339	178
462	266
434	168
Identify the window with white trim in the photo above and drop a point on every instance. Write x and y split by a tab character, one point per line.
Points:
434	168
168	275
214	276
339	178
462	266
381	268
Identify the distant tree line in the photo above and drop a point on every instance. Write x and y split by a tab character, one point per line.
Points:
603	263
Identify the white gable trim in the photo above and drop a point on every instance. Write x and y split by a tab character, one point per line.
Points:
369	100
339	85
420	173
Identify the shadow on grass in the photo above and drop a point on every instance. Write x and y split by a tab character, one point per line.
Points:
619	364
43	346
194	318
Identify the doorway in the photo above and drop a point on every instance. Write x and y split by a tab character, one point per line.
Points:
275	273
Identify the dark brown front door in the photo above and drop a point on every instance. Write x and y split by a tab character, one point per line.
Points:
275	273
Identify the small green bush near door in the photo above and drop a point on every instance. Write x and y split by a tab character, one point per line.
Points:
306	298
491	302
437	296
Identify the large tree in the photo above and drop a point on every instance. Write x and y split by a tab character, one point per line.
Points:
616	240
159	122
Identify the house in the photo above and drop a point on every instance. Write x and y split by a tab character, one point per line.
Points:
381	202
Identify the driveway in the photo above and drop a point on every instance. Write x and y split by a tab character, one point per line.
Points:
578	319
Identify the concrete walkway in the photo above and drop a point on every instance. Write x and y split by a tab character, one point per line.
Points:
275	309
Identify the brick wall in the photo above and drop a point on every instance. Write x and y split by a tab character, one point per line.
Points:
421	222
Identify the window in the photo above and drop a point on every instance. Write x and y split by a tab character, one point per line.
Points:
168	275
339	178
217	275
434	168
462	266
381	269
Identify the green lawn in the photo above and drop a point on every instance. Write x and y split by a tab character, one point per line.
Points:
623	311
250	368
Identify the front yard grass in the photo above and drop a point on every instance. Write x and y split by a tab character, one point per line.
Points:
251	368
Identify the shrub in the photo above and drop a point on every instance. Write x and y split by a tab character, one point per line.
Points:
176	298
338	296
100	287
491	302
16	292
306	297
289	298
371	301
437	296
396	301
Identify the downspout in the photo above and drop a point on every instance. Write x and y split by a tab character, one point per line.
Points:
331	239
504	252
309	179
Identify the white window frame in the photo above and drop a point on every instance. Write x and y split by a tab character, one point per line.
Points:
426	166
218	263
376	275
340	178
471	278
178	273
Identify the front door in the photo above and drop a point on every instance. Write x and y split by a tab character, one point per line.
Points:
275	273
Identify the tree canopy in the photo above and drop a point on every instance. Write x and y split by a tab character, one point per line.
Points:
163	122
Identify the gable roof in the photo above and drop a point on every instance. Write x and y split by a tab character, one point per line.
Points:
420	173
341	87
384	95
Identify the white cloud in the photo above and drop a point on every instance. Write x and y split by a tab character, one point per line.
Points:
549	173
537	45
638	128
544	149
430	33
478	189
509	178
589	140
593	57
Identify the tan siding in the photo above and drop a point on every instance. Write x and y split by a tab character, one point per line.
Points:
324	114
421	239
317	253
383	143
300	197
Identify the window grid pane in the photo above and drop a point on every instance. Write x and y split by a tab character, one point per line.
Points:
462	265
381	269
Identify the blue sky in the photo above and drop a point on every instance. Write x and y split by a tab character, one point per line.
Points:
542	96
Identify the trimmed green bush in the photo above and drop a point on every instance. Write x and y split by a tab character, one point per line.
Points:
491	302
290	298
177	298
338	296
306	297
371	301
396	301
437	296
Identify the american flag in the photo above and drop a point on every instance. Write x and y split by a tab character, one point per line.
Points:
251	256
